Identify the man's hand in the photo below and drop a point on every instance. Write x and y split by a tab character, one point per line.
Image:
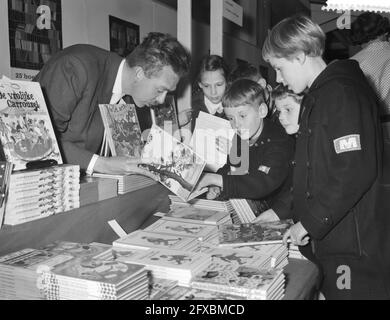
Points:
119	165
267	216
297	234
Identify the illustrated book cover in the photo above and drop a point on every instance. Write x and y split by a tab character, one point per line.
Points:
26	130
122	131
173	163
253	233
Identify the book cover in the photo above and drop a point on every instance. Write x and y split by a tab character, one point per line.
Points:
26	131
253	233
245	281
123	132
174	164
196	230
212	140
195	215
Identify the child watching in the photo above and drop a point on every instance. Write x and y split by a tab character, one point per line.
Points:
258	164
336	183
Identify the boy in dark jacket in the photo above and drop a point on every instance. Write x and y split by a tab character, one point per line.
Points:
336	189
258	164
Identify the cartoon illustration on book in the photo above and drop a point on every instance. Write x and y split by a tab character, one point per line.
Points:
122	129
174	164
26	132
178	259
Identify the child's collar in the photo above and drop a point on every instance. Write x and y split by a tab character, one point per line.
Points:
255	137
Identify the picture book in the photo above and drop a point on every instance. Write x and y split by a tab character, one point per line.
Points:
174	164
244	281
212	140
26	131
253	233
195	215
141	239
196	230
122	130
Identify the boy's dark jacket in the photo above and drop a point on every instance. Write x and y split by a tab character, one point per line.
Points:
336	196
268	166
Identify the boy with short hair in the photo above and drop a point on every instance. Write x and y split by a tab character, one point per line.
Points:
337	172
258	164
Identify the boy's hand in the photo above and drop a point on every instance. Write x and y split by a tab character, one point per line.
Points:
297	234
209	179
267	216
213	193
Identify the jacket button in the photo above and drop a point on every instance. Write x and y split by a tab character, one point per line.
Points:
308	165
292	189
293	163
309	195
309	131
326	220
256	145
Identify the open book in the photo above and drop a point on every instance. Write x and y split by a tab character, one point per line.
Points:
173	163
212	140
26	131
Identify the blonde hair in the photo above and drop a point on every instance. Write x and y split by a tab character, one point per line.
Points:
292	35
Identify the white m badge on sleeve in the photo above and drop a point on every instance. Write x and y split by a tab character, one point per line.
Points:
347	143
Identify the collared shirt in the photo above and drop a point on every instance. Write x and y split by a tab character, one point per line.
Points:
117	95
374	60
212	107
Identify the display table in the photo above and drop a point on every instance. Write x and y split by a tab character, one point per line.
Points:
88	223
132	211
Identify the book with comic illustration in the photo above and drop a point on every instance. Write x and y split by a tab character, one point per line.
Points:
122	130
174	164
253	233
26	131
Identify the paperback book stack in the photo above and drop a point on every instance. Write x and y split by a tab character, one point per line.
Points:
201	232
90	278
145	240
187	293
294	253
248	282
35	194
196	215
180	266
21	272
213	205
242	211
130	182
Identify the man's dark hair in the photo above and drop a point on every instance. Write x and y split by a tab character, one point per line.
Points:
369	26
158	50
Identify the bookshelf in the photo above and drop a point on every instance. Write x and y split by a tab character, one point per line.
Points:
31	47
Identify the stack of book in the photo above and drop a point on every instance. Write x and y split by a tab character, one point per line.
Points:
213	205
245	281
242	212
198	231
187	293
92	278
294	253
180	266
144	240
21	272
129	182
39	193
195	215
